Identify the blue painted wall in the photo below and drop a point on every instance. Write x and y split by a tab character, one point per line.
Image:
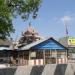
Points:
49	44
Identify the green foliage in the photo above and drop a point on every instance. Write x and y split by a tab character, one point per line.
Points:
6	28
5	21
24	7
13	8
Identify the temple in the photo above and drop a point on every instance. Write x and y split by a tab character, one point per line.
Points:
29	36
32	49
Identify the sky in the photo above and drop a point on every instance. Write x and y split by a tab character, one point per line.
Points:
51	19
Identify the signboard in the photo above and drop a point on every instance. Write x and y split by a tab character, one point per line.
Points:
71	41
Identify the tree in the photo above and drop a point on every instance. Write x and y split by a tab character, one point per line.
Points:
10	9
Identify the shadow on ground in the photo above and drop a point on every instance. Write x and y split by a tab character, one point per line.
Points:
8	71
60	69
37	70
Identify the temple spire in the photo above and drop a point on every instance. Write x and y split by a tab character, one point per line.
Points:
30	35
29	24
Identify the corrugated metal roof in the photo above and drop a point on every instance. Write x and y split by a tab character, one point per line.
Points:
5	42
5	48
27	47
31	45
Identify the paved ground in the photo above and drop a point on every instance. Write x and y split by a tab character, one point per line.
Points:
50	69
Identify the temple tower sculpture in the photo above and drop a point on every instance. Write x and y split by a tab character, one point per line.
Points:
29	36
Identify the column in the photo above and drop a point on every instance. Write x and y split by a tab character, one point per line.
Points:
8	59
66	56
56	56
23	59
50	56
29	58
50	53
44	57
18	59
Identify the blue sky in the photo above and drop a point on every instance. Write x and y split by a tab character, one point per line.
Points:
49	21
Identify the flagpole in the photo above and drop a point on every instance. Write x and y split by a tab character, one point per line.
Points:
66	28
66	31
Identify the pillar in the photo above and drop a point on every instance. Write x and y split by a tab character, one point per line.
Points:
29	58
44	57
18	59
66	56
56	56
50	53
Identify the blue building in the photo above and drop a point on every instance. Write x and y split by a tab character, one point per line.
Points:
42	52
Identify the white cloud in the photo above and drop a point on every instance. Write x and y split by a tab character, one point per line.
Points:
66	19
69	19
